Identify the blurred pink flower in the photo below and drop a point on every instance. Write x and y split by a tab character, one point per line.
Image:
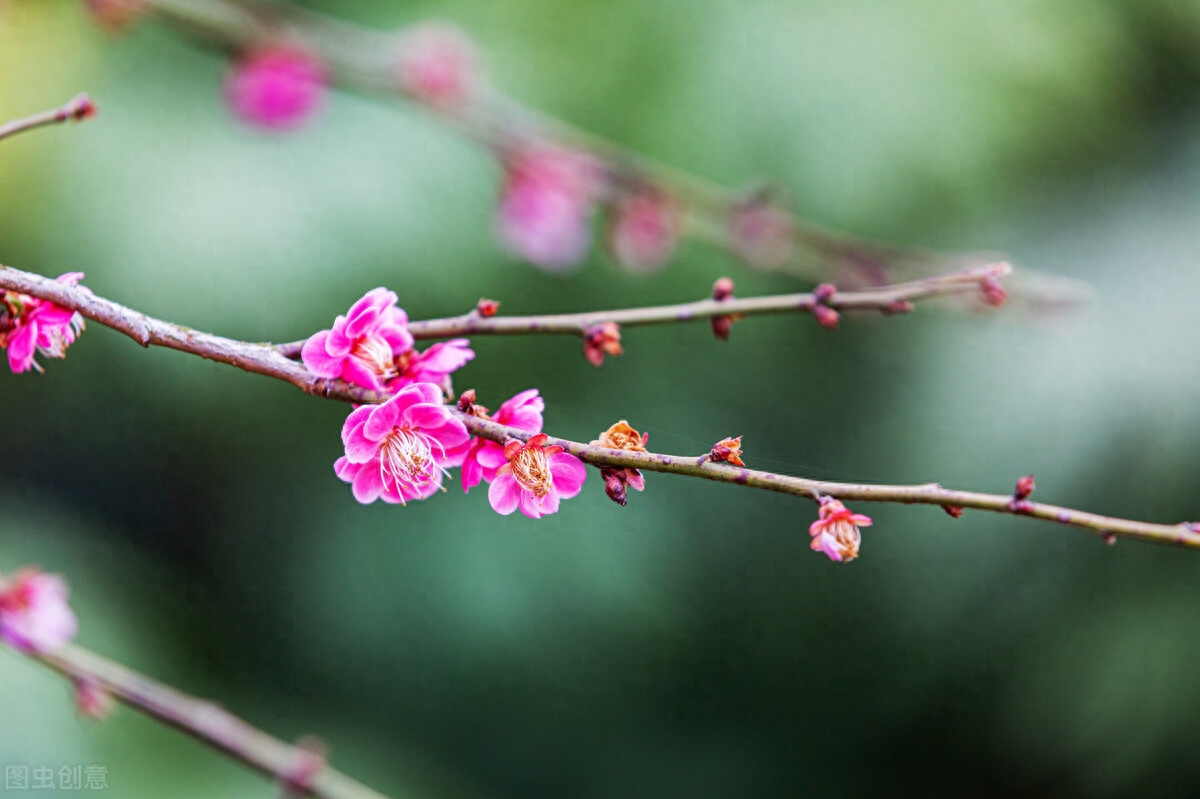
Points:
34	614
277	89
535	478
545	204
434	365
761	234
439	66
31	325
400	450
644	231
836	531
484	458
363	345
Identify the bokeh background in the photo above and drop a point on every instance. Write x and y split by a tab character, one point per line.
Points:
688	645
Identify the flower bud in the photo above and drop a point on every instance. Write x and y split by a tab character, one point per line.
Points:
602	339
1024	487
722	289
614	485
826	317
954	510
824	292
993	293
486	307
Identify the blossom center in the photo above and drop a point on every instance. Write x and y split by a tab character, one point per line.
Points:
532	471
406	455
377	354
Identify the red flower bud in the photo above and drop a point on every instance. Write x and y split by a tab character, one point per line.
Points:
1024	487
897	307
954	510
487	307
824	292
614	485
722	289
993	293
826	317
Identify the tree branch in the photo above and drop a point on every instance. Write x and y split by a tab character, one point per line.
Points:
291	765
362	59
267	360
77	108
886	299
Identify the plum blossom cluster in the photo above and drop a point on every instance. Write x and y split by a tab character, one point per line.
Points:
29	326
550	191
402	449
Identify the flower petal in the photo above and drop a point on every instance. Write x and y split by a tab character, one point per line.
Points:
568	473
504	494
368	484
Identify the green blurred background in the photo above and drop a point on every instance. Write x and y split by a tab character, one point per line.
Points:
688	645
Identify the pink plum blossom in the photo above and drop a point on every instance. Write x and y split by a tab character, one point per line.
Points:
644	231
31	325
545	204
836	531
363	345
535	478
434	365
439	66
484	458
277	89
762	234
34	614
400	450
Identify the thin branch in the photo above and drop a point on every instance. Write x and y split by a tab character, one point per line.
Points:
77	108
886	299
267	360
208	723
362	59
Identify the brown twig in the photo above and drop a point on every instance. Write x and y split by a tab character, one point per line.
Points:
267	360
77	108
206	722
885	299
362	59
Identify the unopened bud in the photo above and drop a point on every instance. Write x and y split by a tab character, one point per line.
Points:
486	307
826	317
466	400
721	325
722	289
897	307
614	486
1024	487
993	293
79	107
1110	539
824	292
954	510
